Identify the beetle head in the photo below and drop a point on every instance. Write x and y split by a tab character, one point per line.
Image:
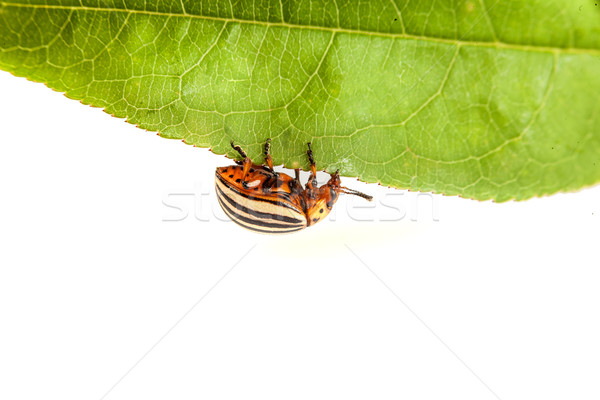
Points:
335	181
335	184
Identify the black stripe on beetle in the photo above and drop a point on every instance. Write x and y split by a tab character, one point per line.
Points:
251	226
258	214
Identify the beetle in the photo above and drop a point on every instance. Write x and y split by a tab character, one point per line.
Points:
262	200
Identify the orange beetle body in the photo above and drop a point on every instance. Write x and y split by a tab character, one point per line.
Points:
260	199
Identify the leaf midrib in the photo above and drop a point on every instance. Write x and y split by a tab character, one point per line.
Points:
454	42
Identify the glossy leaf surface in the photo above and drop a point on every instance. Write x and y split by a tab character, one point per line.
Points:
484	99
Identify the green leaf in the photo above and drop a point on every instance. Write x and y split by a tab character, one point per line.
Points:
486	99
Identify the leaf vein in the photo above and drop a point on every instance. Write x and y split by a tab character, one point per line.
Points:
463	42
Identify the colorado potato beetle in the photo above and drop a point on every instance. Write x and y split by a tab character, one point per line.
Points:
262	200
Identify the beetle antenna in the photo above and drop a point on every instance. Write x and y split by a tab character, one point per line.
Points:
356	193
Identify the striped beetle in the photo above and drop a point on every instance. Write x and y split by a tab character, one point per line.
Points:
262	200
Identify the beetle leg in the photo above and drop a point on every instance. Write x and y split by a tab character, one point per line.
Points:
312	179
268	158
246	167
313	168
247	163
295	185
238	149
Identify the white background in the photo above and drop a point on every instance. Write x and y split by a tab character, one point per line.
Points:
104	295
